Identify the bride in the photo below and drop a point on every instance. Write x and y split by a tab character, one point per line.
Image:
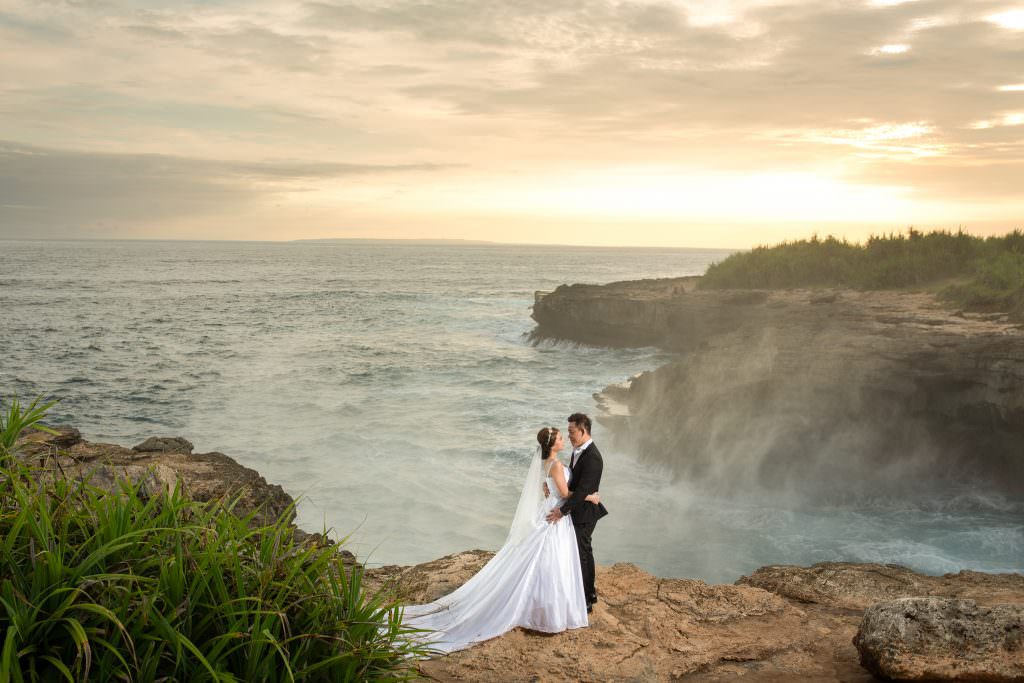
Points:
534	580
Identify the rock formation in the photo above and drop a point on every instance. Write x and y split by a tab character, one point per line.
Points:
779	624
808	391
857	586
929	639
156	463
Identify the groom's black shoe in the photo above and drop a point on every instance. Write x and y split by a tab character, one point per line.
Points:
590	608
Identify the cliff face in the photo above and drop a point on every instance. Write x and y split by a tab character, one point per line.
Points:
812	390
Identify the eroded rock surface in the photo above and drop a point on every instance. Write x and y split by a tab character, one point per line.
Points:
650	629
941	639
156	464
169	444
856	586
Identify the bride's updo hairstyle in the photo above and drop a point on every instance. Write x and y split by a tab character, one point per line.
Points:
546	438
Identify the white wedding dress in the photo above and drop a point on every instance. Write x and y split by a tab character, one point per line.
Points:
534	581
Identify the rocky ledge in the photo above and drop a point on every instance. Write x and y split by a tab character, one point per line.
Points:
808	390
156	464
779	624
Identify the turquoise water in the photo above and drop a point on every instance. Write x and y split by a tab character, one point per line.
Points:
393	388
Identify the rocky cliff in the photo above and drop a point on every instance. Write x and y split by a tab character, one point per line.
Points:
808	390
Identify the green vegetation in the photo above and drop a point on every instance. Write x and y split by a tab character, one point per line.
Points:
975	273
139	587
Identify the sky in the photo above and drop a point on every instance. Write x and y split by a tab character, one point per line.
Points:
673	123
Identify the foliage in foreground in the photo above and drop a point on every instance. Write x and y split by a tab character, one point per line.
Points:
138	587
989	272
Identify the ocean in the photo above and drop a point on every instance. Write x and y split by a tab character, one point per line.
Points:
393	390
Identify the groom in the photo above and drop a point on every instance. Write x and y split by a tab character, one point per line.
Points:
586	469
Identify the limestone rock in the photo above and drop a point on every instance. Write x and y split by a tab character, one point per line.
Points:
164	444
647	628
857	586
429	581
643	629
39	443
159	465
939	639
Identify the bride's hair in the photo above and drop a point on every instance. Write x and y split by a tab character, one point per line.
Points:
546	438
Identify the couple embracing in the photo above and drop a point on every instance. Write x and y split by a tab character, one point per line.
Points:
542	578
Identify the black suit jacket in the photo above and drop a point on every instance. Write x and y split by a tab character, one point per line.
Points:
585	479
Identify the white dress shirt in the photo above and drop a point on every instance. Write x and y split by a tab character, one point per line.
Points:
576	452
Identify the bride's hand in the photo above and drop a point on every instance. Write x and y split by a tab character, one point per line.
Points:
594	498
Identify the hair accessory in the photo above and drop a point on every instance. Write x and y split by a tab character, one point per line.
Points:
551	436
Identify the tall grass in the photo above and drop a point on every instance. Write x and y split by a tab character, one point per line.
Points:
96	586
987	273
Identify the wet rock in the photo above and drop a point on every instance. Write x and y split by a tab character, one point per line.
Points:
939	639
164	444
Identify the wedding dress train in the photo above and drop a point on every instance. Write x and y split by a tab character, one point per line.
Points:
534	581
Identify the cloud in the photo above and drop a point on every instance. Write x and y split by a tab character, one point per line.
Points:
48	192
878	92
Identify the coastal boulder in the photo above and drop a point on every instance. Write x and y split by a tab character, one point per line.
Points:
941	639
164	444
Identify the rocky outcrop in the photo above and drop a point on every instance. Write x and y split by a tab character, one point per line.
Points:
780	624
164	444
856	586
938	639
804	390
156	464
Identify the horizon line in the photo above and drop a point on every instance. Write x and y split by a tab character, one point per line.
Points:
417	241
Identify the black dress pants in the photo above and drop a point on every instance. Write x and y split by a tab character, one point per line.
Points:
583	532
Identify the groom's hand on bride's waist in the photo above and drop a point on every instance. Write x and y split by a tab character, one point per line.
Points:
555	515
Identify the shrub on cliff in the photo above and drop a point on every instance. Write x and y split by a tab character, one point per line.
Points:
147	586
990	271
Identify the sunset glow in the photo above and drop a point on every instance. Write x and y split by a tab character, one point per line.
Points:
648	122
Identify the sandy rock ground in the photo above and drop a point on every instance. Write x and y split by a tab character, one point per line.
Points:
779	624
